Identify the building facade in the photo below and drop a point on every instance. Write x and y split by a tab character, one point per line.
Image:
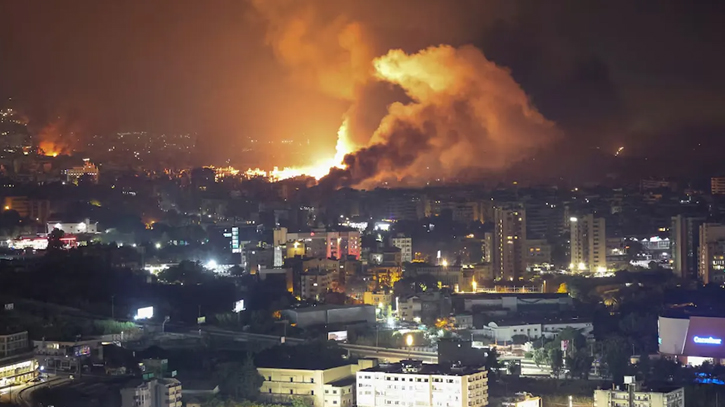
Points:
588	244
415	384
711	267
638	396
153	393
14	344
684	244
332	387
509	237
405	244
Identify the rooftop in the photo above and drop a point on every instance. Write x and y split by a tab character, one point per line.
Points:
484	296
328	307
417	367
343	382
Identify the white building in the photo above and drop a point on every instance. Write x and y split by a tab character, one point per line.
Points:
405	244
636	396
415	384
73	228
153	393
505	331
588	244
88	169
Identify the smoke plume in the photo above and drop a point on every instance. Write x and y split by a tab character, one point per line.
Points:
462	113
466	113
328	55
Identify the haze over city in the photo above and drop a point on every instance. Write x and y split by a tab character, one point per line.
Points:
362	203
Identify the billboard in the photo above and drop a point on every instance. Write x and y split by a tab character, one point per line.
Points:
338	336
693	337
144	313
239	306
81	350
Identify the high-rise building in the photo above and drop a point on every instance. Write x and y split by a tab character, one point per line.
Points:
509	237
411	383
712	253
152	393
684	243
588	243
405	244
717	185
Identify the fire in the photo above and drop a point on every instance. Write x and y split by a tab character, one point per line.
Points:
50	149
317	171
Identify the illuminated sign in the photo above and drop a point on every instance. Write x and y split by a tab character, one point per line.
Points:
239	306
144	313
339	336
707	341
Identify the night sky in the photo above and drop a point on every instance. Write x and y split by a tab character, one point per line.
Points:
647	75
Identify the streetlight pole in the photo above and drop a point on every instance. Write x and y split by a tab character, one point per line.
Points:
113	307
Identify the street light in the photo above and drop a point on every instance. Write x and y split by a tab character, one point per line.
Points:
409	342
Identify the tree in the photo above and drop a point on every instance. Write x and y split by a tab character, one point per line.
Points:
239	380
519	339
615	357
556	360
579	363
563	288
186	272
492	364
55	242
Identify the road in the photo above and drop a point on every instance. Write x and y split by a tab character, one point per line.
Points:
23	396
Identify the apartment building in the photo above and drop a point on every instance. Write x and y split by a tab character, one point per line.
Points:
14	344
152	393
412	383
635	395
331	387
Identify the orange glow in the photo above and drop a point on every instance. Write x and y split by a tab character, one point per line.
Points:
50	148
316	171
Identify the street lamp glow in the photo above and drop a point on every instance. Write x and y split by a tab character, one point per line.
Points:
158	245
409	340
211	264
444	263
573	219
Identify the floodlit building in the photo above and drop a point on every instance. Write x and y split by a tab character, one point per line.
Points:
509	237
588	245
321	243
504	331
152	393
319	387
405	244
17	364
635	395
88	169
415	384
73	228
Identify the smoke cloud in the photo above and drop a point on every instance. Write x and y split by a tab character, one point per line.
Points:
460	113
329	54
466	113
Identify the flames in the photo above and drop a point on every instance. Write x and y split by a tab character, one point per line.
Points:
50	149
317	171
